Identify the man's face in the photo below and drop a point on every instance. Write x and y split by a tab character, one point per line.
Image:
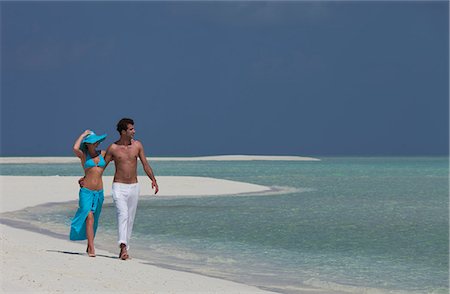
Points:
130	131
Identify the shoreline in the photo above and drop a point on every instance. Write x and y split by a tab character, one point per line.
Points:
49	265
38	261
73	159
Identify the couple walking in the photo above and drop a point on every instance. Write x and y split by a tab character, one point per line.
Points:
125	188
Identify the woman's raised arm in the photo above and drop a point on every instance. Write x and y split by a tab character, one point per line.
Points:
76	145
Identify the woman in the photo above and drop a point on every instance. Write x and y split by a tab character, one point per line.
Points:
84	224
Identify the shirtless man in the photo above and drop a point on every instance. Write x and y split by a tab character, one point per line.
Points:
125	189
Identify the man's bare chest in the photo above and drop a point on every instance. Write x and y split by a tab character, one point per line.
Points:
125	153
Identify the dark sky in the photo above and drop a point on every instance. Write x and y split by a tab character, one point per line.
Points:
204	78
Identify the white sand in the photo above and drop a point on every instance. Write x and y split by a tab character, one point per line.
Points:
18	192
32	262
73	159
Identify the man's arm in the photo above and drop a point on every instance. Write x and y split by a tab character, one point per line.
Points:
109	155
148	170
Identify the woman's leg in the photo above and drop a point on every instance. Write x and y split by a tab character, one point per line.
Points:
90	234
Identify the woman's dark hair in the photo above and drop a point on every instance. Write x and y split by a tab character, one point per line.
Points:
122	125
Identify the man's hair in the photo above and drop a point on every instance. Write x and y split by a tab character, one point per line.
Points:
122	125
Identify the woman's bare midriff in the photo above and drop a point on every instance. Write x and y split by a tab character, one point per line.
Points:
93	178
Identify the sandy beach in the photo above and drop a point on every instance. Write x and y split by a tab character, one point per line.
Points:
33	262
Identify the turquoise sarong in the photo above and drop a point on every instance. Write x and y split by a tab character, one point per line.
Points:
89	200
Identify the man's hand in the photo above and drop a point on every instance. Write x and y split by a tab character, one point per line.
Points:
155	186
81	182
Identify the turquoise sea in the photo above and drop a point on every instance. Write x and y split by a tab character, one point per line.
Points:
344	224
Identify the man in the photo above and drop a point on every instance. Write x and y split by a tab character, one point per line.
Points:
125	189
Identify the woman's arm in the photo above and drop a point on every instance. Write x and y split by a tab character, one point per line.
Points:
76	145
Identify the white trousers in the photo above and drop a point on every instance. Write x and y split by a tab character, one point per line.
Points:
125	198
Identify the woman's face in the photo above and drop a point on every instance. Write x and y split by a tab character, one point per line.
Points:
92	147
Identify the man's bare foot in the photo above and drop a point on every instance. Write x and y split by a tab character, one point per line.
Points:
123	252
90	252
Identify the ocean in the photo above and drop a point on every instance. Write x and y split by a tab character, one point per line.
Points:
342	224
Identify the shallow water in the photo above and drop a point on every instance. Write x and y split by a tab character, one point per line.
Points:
342	224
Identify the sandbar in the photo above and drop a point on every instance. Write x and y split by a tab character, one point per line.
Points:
73	159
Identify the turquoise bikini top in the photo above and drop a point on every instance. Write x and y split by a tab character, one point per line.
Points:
91	163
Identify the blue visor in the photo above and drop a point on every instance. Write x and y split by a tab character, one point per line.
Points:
91	139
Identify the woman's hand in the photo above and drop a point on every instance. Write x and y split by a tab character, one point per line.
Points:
85	133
